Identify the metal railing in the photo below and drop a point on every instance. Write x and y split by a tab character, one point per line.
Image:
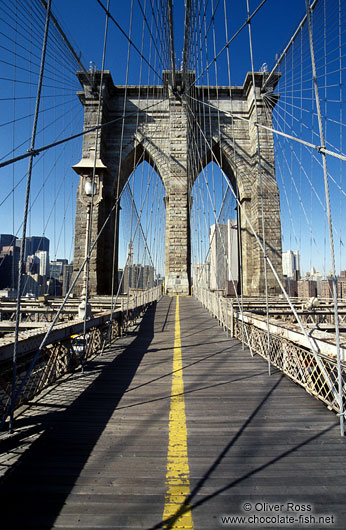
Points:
289	351
66	349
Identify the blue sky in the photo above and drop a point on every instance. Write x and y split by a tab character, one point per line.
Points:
272	28
54	183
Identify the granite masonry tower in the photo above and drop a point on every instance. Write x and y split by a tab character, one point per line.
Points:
161	126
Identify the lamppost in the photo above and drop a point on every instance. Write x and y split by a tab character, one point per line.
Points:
89	193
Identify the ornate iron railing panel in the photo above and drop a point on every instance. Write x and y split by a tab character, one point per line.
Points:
288	353
66	350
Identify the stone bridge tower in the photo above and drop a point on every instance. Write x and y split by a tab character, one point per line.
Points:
158	129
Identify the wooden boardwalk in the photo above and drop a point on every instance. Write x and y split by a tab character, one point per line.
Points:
96	446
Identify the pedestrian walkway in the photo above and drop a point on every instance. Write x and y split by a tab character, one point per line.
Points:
176	427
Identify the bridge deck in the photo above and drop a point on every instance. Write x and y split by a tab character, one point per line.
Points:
99	455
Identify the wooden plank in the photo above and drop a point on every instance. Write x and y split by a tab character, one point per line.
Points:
280	440
101	460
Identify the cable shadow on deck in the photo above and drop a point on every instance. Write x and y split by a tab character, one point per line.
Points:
191	503
41	495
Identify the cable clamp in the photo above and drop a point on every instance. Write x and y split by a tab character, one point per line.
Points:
320	147
33	152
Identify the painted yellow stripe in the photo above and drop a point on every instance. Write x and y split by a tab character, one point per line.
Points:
178	473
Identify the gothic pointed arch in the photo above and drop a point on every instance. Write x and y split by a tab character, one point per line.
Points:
241	169
152	124
139	150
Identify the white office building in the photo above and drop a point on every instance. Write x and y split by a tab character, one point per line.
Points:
201	275
290	263
218	256
43	257
223	254
232	240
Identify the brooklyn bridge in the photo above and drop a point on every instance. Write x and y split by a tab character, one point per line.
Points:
172	265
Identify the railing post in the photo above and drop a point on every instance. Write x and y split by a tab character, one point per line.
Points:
232	320
227	317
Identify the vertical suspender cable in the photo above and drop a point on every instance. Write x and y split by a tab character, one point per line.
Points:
115	295
265	257
25	216
114	299
123	121
340	32
171	41
330	224
236	175
90	216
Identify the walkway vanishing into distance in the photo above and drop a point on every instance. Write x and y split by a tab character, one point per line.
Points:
112	448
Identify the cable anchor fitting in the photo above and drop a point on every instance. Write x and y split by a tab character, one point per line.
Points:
33	152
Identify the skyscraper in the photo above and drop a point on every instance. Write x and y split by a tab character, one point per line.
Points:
218	256
7	240
223	254
42	255
232	240
33	244
291	263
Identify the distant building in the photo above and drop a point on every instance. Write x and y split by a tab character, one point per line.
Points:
34	244
129	260
54	287
66	277
38	243
55	269
342	281
8	293
7	240
232	244
147	281
33	284
224	269
327	288
317	277
9	262
32	265
201	275
291	287
137	277
43	258
291	264
218	256
307	288
55	280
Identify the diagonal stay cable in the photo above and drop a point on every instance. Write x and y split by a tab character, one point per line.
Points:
151	35
293	309
330	222
25	216
38	150
249	18
319	148
129	40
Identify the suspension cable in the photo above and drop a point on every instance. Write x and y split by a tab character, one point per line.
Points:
25	217
330	225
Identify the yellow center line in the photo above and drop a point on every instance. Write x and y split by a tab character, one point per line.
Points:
178	473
